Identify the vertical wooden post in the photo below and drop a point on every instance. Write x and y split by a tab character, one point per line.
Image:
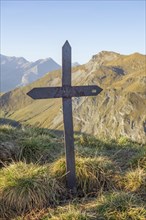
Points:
66	92
67	117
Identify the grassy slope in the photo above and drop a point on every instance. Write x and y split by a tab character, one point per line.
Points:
111	177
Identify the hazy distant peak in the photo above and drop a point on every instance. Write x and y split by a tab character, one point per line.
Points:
46	60
2	56
19	60
17	71
22	60
49	58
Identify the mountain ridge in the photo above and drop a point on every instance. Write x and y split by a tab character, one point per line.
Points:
118	111
17	71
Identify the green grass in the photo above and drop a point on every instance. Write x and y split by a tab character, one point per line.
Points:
6	132
32	144
67	213
139	159
38	149
121	205
125	152
115	205
111	177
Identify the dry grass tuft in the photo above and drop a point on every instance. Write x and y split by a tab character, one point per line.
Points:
135	180
27	186
92	173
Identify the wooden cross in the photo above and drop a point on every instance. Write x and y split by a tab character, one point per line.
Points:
66	92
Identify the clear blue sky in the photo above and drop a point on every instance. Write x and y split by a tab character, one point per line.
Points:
38	29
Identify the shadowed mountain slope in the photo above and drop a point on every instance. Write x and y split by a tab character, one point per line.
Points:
119	110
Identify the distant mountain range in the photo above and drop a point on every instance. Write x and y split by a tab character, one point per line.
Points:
17	71
119	110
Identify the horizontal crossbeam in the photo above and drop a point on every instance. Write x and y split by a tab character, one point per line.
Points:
64	92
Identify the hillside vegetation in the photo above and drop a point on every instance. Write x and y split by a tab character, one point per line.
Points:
119	110
111	177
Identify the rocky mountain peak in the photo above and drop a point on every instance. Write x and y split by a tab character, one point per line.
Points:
105	56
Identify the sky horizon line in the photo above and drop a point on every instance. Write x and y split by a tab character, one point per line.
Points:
73	61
